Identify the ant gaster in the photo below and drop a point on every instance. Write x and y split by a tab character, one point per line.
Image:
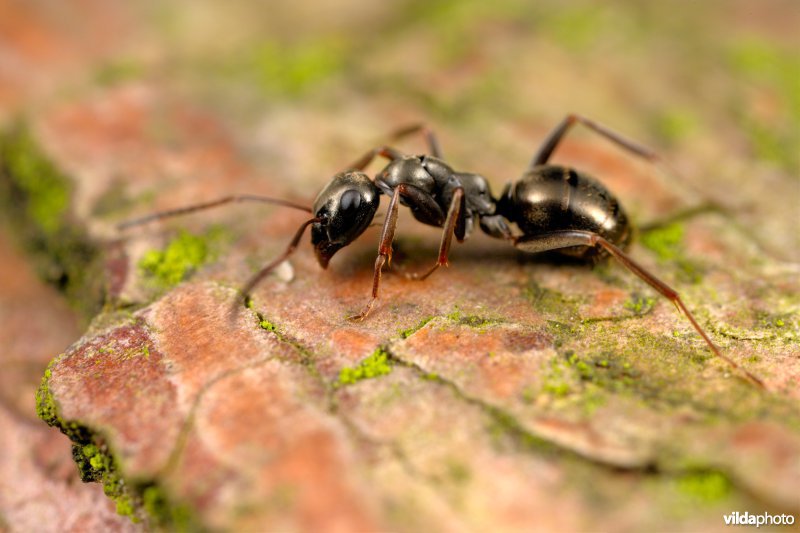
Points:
554	207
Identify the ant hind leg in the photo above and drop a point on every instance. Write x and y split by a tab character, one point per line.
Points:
557	135
567	238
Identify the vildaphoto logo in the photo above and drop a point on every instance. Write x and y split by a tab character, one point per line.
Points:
765	519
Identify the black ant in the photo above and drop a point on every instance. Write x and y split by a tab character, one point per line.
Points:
554	207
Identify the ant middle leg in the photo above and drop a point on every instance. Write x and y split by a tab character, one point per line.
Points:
555	137
568	238
423	203
454	224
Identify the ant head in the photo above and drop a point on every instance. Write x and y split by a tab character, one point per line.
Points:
345	208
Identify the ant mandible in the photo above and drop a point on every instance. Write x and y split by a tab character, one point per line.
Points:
554	207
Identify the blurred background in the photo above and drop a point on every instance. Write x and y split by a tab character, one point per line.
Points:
713	86
305	87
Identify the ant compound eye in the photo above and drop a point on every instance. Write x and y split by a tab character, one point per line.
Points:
350	200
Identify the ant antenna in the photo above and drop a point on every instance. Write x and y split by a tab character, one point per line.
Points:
208	205
261	274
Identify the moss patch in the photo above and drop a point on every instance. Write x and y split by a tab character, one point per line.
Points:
373	366
164	512
773	70
267	325
673	125
549	302
640	305
293	69
46	191
478	322
36	196
667	243
141	500
705	487
406	333
182	256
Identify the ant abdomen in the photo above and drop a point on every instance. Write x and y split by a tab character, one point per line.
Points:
550	197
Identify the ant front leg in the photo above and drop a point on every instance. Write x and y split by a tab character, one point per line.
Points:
455	223
423	203
568	238
556	136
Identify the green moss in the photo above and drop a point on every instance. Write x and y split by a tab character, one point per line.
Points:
640	305
375	365
46	191
585	382
96	463
46	408
119	71
35	195
182	256
473	321
663	372
577	28
557	389
665	241
774	70
705	487
675	124
406	333
458	472
102	467
548	301
292	69
454	315
773	321
267	325
166	513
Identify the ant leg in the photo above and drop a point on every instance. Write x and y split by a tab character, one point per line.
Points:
391	153
568	238
208	205
261	274
433	143
415	197
384	252
555	137
455	216
384	151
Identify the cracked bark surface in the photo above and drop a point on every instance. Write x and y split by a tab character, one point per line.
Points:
500	382
503	392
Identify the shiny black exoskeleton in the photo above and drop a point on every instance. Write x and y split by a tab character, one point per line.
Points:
550	208
343	210
550	197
